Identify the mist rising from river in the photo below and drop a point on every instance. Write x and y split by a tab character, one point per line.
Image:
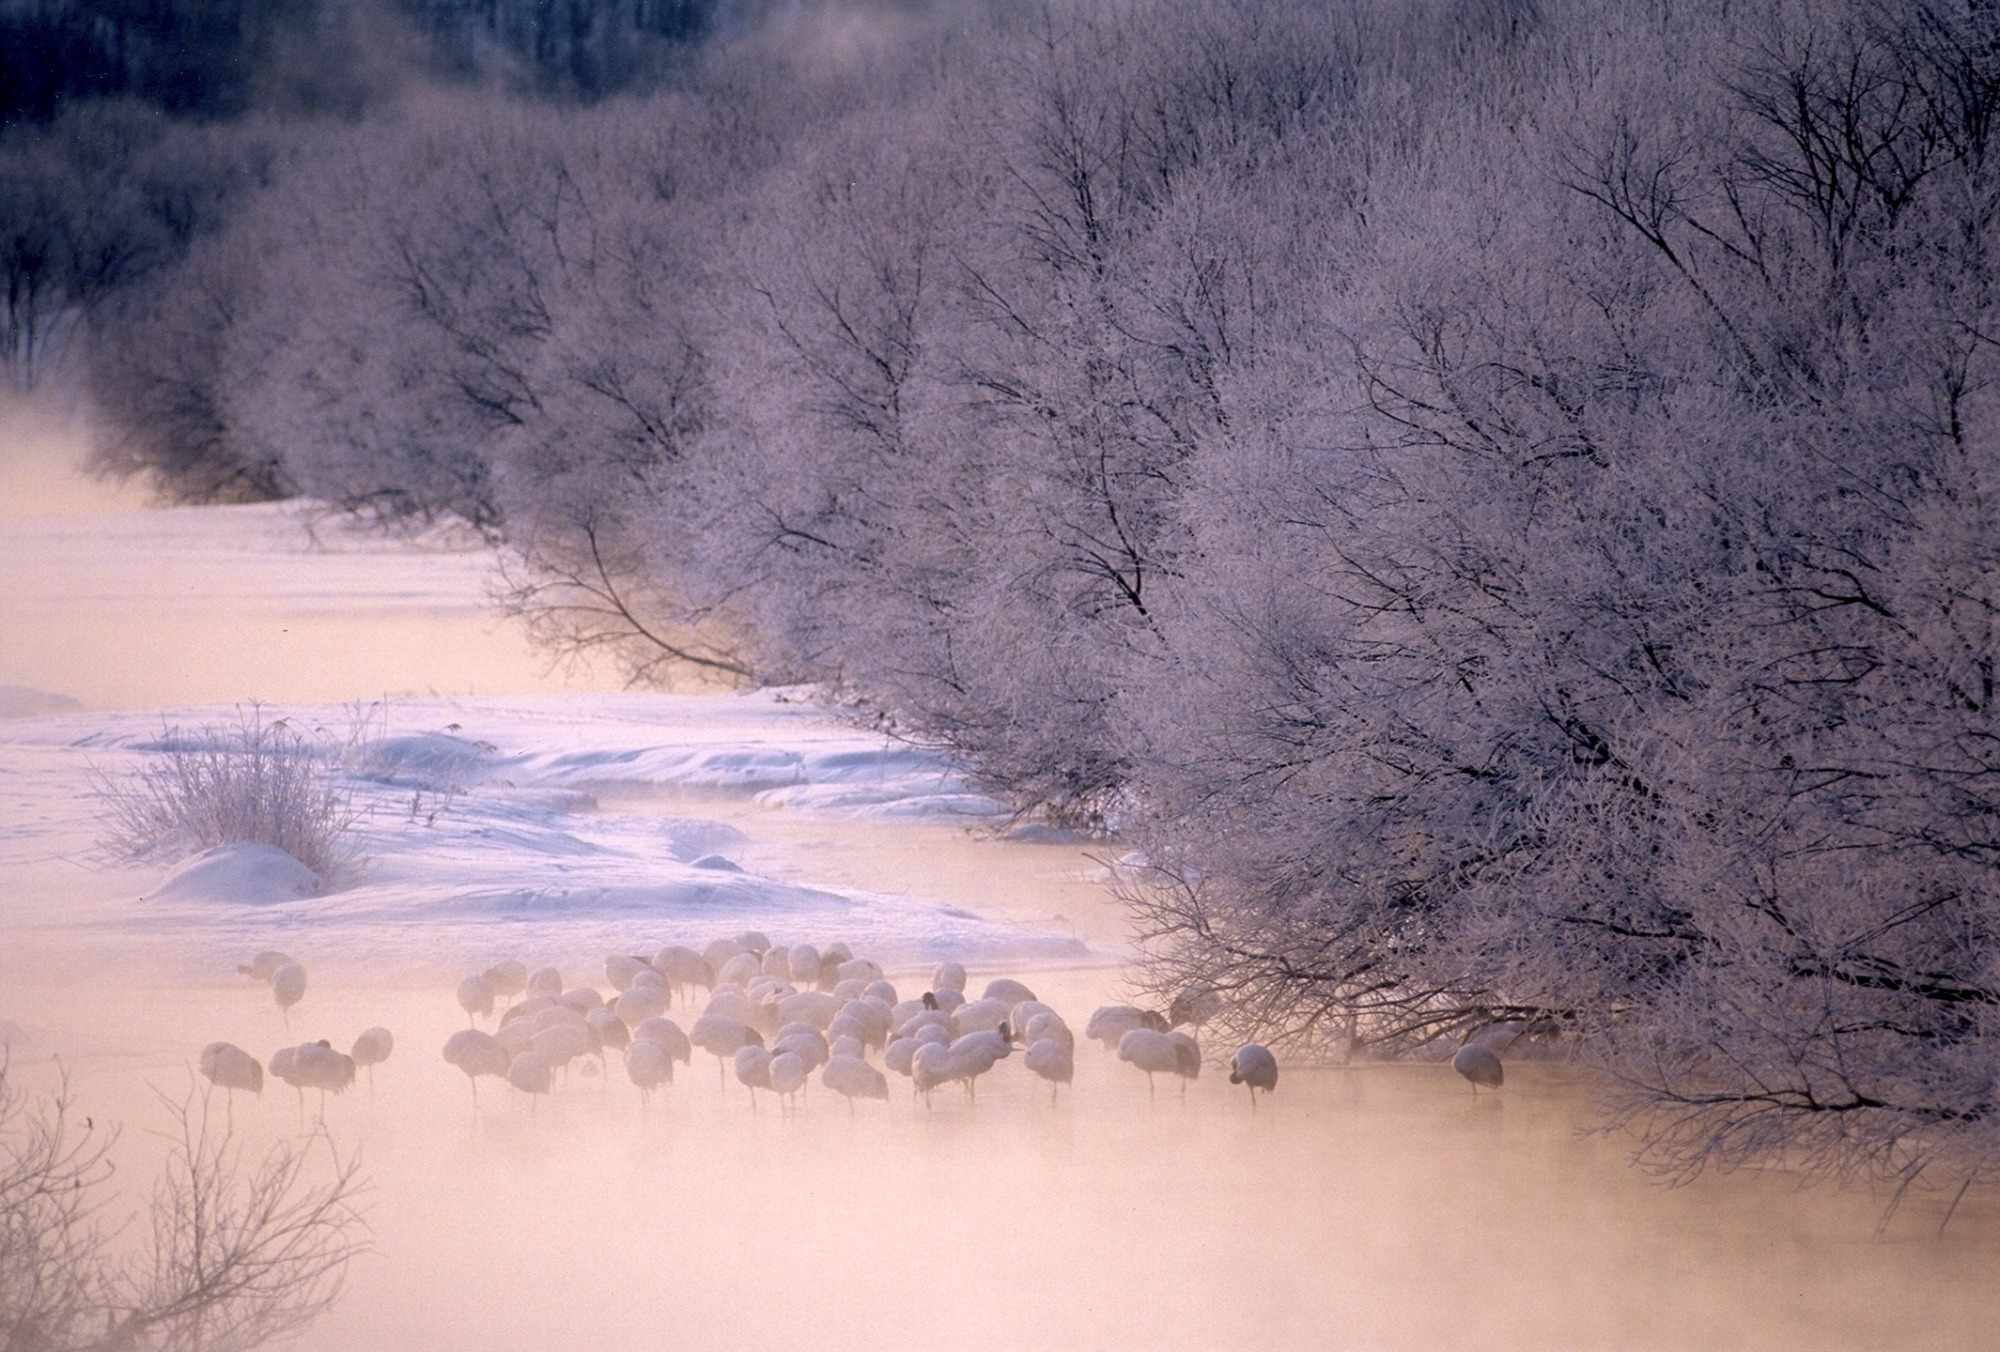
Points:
1372	1207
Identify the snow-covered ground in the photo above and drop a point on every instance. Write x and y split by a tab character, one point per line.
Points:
482	825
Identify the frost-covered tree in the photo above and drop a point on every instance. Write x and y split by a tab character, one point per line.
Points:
1615	658
1491	498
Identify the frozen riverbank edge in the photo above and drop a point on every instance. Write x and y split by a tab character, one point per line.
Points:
567	825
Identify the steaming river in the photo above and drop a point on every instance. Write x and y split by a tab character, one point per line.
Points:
1377	1207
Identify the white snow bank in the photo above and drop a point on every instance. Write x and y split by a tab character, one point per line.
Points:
438	761
241	873
548	825
694	840
762	742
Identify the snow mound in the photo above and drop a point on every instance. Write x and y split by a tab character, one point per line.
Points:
427	760
694	838
20	701
242	873
745	751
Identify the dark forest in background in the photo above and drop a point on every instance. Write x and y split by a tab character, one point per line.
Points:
225	58
1496	503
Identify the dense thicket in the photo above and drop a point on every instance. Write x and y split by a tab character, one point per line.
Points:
1495	499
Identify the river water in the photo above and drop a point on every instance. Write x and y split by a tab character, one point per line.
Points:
1365	1207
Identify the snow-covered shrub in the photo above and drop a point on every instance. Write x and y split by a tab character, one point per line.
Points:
256	781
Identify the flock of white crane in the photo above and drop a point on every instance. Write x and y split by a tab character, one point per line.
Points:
774	1014
309	1065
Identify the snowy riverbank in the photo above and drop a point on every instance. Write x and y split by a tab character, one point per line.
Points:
568	825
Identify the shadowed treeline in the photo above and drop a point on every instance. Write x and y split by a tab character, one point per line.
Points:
225	58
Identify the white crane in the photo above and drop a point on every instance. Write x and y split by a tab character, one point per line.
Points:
622	969
263	965
316	1065
1052	1061
788	1076
475	997
1110	1023
650	1065
561	1043
529	1073
1026	1013
371	1049
683	968
805	1042
508	976
1255	1066
612	1036
817	1008
930	1066
288	984
1159	1053
227	1066
980	1016
1007	989
854	1078
976	1053
1479	1064
582	999
1050	1025
721	1036
739	970
717	953
640	1003
1194	1006
731	1002
473	1052
669	1035
753	1070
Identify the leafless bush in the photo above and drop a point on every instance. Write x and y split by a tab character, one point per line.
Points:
257	781
238	1254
